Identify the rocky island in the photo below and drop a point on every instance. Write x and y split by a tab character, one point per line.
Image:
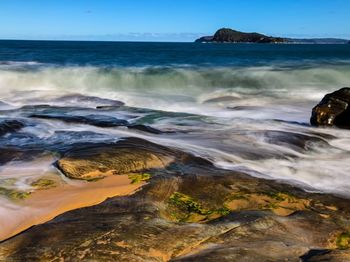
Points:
227	35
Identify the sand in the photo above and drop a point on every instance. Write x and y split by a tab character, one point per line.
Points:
44	205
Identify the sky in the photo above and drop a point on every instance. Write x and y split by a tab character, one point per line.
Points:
170	20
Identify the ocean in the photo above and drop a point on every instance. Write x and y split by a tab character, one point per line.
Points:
244	107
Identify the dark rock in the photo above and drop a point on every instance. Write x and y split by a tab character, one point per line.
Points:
227	35
314	253
8	126
99	121
221	99
9	154
95	120
148	129
205	39
333	110
326	255
245	108
296	141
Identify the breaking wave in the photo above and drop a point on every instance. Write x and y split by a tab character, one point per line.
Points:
199	84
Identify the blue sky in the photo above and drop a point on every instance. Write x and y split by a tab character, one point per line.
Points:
170	20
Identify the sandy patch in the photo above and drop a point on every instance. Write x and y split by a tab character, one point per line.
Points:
44	205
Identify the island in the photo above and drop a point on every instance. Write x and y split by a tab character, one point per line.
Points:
227	35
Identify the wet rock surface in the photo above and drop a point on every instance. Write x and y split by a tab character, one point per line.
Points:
96	120
89	100
88	116
8	126
298	142
333	110
189	211
14	154
126	156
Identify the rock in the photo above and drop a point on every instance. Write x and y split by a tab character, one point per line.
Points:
148	129
8	126
43	184
326	255
9	154
205	39
295	141
227	35
91	119
189	210
142	227
85	116
13	194
221	99
333	110
126	156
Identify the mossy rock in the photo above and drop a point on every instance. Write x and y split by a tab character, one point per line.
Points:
184	208
119	159
343	240
8	182
137	178
43	183
280	203
13	194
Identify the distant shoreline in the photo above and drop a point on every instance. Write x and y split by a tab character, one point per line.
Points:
228	35
168	42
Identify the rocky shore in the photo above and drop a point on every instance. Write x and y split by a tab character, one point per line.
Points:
164	203
190	211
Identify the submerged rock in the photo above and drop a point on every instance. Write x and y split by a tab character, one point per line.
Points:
148	129
221	99
333	110
77	99
96	120
8	126
86	116
297	141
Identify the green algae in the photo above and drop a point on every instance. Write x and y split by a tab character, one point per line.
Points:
13	194
8	182
184	208
280	203
137	178
43	183
343	240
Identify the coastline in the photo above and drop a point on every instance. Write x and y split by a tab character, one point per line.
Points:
221	134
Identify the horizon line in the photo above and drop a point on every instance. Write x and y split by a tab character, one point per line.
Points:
147	41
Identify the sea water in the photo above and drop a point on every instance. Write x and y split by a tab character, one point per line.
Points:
245	107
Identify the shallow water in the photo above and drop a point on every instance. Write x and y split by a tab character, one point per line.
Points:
244	107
